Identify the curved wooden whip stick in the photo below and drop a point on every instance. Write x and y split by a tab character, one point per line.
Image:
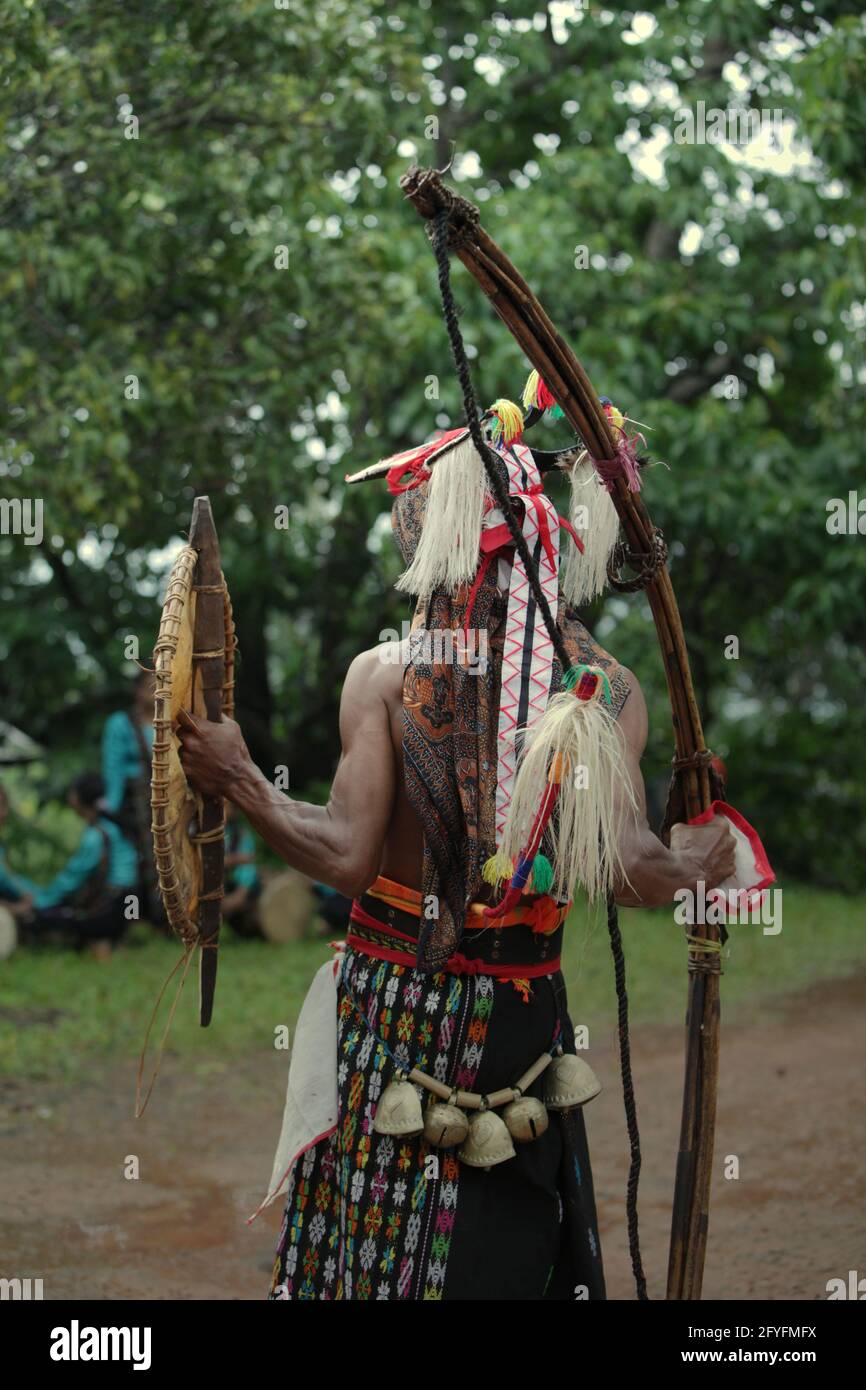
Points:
208	663
692	785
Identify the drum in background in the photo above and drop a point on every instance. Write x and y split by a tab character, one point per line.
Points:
286	906
8	933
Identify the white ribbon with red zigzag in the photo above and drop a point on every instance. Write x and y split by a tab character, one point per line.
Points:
527	661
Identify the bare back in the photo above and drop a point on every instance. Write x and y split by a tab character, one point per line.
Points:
402	852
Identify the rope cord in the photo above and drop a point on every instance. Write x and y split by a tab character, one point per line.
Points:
704	944
702	757
647	564
500	492
498	485
628	1100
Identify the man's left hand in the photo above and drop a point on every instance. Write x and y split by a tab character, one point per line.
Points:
213	756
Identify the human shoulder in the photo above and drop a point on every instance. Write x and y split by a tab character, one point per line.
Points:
379	666
376	675
633	718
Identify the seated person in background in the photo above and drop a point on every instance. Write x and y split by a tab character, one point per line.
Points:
127	742
86	899
16	891
243	884
127	745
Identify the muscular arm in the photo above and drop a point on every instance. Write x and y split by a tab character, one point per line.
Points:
652	872
341	843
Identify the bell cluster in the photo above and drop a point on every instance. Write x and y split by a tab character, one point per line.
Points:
484	1137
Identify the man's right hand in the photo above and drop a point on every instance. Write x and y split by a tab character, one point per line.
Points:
707	851
213	755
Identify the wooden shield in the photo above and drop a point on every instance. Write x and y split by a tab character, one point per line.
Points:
194	664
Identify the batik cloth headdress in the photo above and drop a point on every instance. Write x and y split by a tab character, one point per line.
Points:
512	759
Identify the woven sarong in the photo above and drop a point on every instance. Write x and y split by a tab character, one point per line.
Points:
369	1216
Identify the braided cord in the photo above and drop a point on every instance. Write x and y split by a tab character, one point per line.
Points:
498	485
628	1099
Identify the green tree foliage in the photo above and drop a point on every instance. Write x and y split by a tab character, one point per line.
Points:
212	284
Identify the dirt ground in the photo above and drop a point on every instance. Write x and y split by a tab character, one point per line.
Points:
790	1109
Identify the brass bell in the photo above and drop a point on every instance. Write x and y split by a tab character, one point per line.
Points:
568	1082
488	1141
445	1125
526	1119
399	1110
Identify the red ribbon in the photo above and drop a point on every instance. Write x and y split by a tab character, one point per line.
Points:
457	964
413	461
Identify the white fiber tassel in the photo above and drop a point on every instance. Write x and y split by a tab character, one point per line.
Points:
594	518
595	796
448	551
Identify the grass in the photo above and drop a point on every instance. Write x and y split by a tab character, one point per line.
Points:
60	1012
823	937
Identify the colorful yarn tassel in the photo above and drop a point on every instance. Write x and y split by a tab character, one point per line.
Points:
624	461
575	732
507	423
615	417
497	867
542	874
537	393
585	680
527	859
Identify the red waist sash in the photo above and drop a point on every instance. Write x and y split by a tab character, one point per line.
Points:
393	940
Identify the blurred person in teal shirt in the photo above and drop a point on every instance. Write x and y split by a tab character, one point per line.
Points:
87	898
127	745
242	882
16	891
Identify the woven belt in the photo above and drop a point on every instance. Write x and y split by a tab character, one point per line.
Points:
385	926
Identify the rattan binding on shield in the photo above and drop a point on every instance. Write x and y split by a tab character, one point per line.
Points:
174	805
